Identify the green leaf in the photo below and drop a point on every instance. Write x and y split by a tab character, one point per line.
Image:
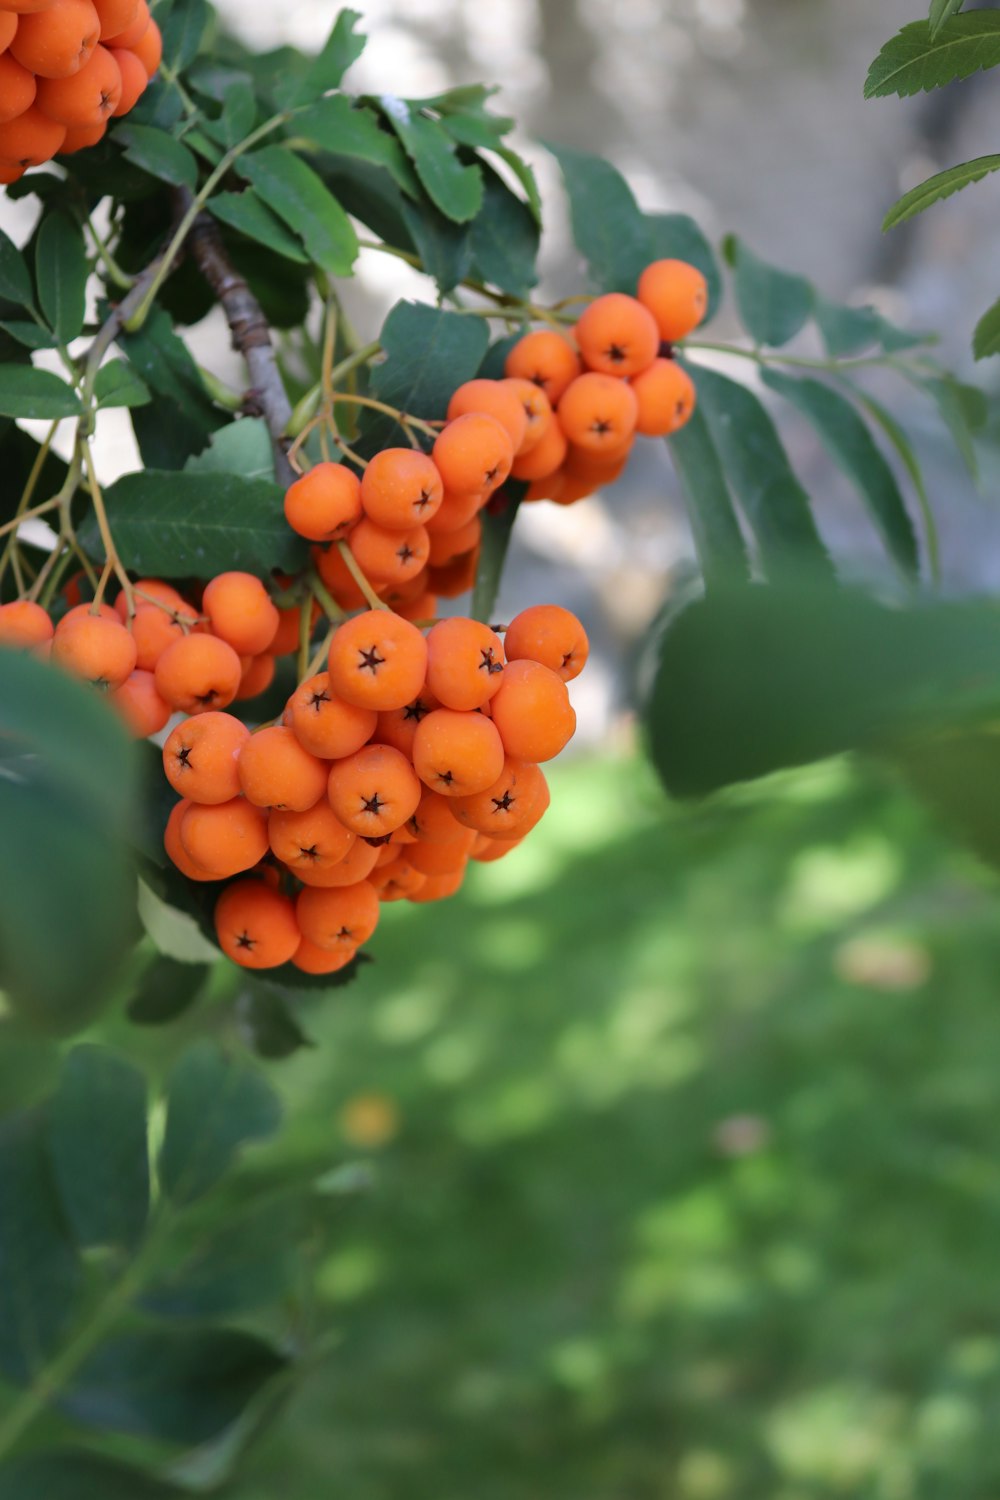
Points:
445	248
941	11
117	384
774	305
76	1474
525	174
428	352
182	1387
850	444
183	30
498	526
344	127
299	197
846	330
31	335
39	1270
245	212
757	468
159	154
343	47
941	185
243	447
170	430
608	228
15	283
168	988
290	981
504	239
964	411
245	1265
61	272
904	448
172	525
986	339
98	1147
917	60
26	392
756	680
454	188
215	1105
717	537
239	112
678	237
272	1028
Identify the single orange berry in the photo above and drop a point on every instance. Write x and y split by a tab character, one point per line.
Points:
287	636
509	808
147	590
485	850
256	925
598	412
389	556
326	725
140	705
666	395
81	137
56	42
398	881
240	612
495	399
677	296
24	624
132	33
545	458
31	139
325	503
537	408
401	488
198	674
465	663
455	577
357	864
532	712
434	822
176	852
134	81
617	335
447	545
456	511
473	454
377	660
258	674
314	840
149	48
422	608
546	359
200	757
441	859
224	838
397	726
88	96
116	15
457	754
313	960
94	647
338	919
439	887
153	630
549	634
17	88
275	771
8	26
374	791
335	573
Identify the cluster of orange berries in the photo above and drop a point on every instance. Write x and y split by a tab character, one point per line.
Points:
66	68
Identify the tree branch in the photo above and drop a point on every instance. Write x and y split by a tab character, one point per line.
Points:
250	333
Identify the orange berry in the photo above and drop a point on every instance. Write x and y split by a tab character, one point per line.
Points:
116	15
56	42
676	294
457	754
200	757
397	726
338	919
532	712
140	705
544	458
456	511
147	589
10	172
324	724
434	822
31	139
132	33
455	577
149	48
485	850
374	791
275	771
224	838
198	674
465	662
546	359
256	925
598	412
87	97
439	887
80	137
389	556
423	607
258	674
176	851
496	399
153	631
286	639
537	408
8	26
357	864
17	88
240	612
474	453
337	576
666	395
401	488
617	335
25	7
377	660
313	960
314	840
447	545
509	808
134	80
441	859
24	624
91	646
82	611
549	634
325	503
398	881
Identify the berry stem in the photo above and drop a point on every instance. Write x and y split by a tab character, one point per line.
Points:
350	562
29	515
110	550
325	599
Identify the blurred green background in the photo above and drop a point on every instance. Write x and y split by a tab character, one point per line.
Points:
685	1164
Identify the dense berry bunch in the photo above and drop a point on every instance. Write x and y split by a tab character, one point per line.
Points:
66	68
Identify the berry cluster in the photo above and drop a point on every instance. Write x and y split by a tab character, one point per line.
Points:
66	68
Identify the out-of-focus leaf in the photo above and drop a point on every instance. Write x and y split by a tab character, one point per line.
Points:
718	540
215	1105
774	305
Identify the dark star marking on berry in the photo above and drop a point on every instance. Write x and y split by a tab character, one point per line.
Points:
504	803
377	843
185	757
405	552
423	500
616	354
370	660
311	853
245	940
416	710
373	804
601	426
489	663
318	699
446	776
345	932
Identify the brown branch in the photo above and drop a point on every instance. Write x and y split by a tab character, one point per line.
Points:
250	333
